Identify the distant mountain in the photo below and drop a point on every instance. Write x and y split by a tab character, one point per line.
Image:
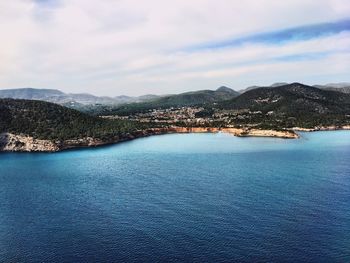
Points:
225	89
59	97
32	94
343	87
338	85
343	90
148	97
193	98
248	88
277	84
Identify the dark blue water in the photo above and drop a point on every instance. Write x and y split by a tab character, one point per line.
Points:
195	198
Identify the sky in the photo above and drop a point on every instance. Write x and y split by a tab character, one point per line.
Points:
133	47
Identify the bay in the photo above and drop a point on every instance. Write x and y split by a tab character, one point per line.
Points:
180	198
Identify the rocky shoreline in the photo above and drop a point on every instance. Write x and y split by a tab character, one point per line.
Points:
330	128
22	143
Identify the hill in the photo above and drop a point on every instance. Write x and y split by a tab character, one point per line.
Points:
194	98
343	87
44	120
289	97
292	105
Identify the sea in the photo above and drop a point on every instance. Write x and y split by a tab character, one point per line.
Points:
180	198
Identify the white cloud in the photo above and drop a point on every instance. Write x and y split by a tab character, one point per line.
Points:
132	47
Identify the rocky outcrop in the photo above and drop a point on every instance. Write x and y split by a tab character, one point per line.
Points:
22	143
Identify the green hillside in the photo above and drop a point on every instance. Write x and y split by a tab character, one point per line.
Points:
46	120
292	105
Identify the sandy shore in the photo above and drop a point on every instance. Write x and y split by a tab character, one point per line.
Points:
241	132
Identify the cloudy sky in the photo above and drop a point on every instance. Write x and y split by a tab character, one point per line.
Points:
134	47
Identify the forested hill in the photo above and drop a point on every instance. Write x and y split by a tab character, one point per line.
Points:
294	104
293	98
193	98
44	120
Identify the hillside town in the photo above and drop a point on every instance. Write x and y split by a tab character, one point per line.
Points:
192	116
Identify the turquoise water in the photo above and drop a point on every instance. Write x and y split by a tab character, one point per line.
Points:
184	197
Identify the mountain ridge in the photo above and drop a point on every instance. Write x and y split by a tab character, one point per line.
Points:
59	97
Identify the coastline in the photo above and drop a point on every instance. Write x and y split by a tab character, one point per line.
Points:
22	143
330	128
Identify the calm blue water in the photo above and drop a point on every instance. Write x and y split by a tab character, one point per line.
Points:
194	197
